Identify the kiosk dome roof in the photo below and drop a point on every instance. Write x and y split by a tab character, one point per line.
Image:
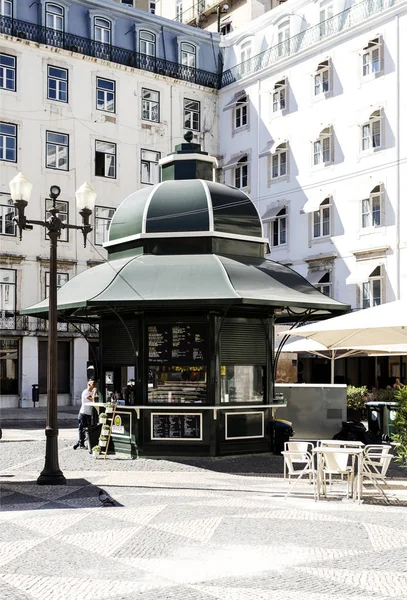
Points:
186	206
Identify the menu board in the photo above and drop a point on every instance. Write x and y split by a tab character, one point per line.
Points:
177	344
185	426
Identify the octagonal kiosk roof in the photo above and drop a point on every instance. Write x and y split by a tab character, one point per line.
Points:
188	242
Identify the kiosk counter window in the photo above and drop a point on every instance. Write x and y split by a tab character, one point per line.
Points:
177	384
242	383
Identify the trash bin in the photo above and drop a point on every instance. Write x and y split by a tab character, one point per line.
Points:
375	417
92	435
283	430
390	410
381	418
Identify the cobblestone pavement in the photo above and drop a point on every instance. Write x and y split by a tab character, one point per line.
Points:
200	529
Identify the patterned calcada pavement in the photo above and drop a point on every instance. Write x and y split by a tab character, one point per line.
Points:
198	529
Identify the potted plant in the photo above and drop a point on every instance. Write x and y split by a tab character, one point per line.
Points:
109	408
96	451
103	418
355	401
102	441
105	430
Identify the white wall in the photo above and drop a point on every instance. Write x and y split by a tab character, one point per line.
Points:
353	173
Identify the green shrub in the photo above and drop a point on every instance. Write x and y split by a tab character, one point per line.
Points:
356	397
401	425
388	395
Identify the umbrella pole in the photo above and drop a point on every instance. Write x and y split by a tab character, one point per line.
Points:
332	366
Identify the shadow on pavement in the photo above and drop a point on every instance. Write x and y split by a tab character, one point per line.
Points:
28	496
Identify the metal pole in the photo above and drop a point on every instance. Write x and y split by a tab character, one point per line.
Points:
51	474
332	366
218	14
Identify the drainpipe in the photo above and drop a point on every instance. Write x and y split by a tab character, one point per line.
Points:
398	133
258	145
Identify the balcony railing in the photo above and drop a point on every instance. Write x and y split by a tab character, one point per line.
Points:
12	321
195	11
307	38
121	56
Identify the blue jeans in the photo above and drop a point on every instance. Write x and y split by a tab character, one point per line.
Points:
84	422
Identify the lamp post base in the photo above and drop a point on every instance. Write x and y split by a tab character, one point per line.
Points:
49	477
51	474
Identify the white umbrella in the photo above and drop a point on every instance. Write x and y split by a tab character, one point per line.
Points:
313	347
381	325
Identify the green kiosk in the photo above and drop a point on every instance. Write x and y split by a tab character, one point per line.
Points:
187	305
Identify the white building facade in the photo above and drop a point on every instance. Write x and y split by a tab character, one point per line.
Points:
69	117
312	111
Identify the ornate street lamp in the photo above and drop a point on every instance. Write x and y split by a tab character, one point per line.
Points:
20	189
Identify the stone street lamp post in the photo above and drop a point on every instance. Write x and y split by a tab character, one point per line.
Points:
85	198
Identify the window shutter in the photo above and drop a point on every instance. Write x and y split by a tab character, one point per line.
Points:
243	343
119	342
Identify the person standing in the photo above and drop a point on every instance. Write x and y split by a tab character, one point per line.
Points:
85	412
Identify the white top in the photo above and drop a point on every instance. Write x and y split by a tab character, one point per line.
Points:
87	407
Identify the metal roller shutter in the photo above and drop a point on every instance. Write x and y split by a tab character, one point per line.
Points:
243	343
119	342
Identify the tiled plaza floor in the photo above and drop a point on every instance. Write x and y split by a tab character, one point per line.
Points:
190	530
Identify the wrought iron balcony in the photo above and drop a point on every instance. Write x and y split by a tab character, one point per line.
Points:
307	38
194	13
121	56
12	321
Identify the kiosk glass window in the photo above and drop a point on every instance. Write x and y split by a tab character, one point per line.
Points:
242	383
177	384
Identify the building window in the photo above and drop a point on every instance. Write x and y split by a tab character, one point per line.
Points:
372	289
57	84
277	229
6	8
102	30
241	112
8	291
150	105
280	95
63	212
105	159
9	360
188	55
325	13
245	51
8	69
178	11
105	94
57	151
279	162
321	220
371	58
62	279
372	132
372	208
103	218
152	7
324	284
147	43
150	171
241	173
283	37
226	28
192	115
322	83
7	225
54	17
8	142
323	147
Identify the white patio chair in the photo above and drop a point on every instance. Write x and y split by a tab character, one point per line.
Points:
300	452
336	463
308	469
376	461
